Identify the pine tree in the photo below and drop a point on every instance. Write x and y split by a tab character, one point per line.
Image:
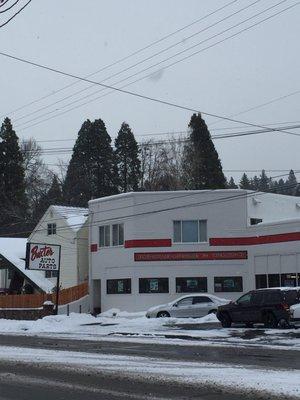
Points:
202	168
231	184
13	204
264	182
52	197
291	184
92	171
127	158
245	182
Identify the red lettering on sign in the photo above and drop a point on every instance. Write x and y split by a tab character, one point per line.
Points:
192	255
37	252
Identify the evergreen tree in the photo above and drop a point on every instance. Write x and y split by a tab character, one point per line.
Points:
92	171
231	184
13	204
127	158
255	183
291	184
245	182
202	168
52	197
264	182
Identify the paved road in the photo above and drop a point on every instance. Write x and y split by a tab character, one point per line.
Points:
20	381
250	356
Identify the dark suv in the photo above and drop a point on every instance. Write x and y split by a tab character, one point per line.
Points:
268	306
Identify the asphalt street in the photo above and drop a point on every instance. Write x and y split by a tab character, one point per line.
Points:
21	381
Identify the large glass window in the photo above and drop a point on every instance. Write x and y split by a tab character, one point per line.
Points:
261	281
154	285
228	284
190	231
104	236
191	285
118	234
288	279
118	286
274	280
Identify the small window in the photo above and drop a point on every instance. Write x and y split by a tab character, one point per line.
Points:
154	285
228	284
190	231
118	286
272	297
51	229
261	281
51	274
257	298
104	236
191	285
201	299
255	221
188	301
245	299
118	235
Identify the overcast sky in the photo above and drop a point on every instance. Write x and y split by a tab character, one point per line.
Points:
81	37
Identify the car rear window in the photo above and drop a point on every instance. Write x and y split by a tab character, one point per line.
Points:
291	297
272	297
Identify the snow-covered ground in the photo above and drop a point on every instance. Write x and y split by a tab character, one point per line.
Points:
115	325
279	382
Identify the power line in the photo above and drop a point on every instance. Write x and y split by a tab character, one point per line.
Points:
144	97
9	8
122	90
123	58
18	12
132	66
207	202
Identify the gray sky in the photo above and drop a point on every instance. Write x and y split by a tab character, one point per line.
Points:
81	37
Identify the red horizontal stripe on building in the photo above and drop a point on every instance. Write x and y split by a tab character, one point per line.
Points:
254	240
94	248
148	243
191	256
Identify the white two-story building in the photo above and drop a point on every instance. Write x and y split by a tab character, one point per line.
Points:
148	248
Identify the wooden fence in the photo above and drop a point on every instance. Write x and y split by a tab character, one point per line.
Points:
66	296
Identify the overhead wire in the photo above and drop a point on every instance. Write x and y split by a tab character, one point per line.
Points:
135	65
14	16
122	90
10	7
194	193
151	44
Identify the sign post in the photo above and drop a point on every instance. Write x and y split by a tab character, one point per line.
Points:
44	257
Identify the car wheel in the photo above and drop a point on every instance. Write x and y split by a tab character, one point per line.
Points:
283	323
212	312
249	325
225	320
270	321
163	314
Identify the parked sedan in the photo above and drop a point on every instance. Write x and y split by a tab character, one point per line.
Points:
191	306
295	313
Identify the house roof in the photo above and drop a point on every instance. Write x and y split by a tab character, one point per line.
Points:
14	250
74	217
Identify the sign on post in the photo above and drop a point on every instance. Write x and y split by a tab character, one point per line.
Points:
43	257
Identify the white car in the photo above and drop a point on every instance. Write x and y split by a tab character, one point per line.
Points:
191	306
295	313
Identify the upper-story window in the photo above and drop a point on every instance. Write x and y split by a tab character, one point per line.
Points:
51	229
111	235
190	231
255	221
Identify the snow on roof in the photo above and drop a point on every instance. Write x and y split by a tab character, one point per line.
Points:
75	217
14	250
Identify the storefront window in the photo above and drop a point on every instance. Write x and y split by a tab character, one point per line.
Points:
228	284
191	285
274	280
154	285
261	281
288	279
118	286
